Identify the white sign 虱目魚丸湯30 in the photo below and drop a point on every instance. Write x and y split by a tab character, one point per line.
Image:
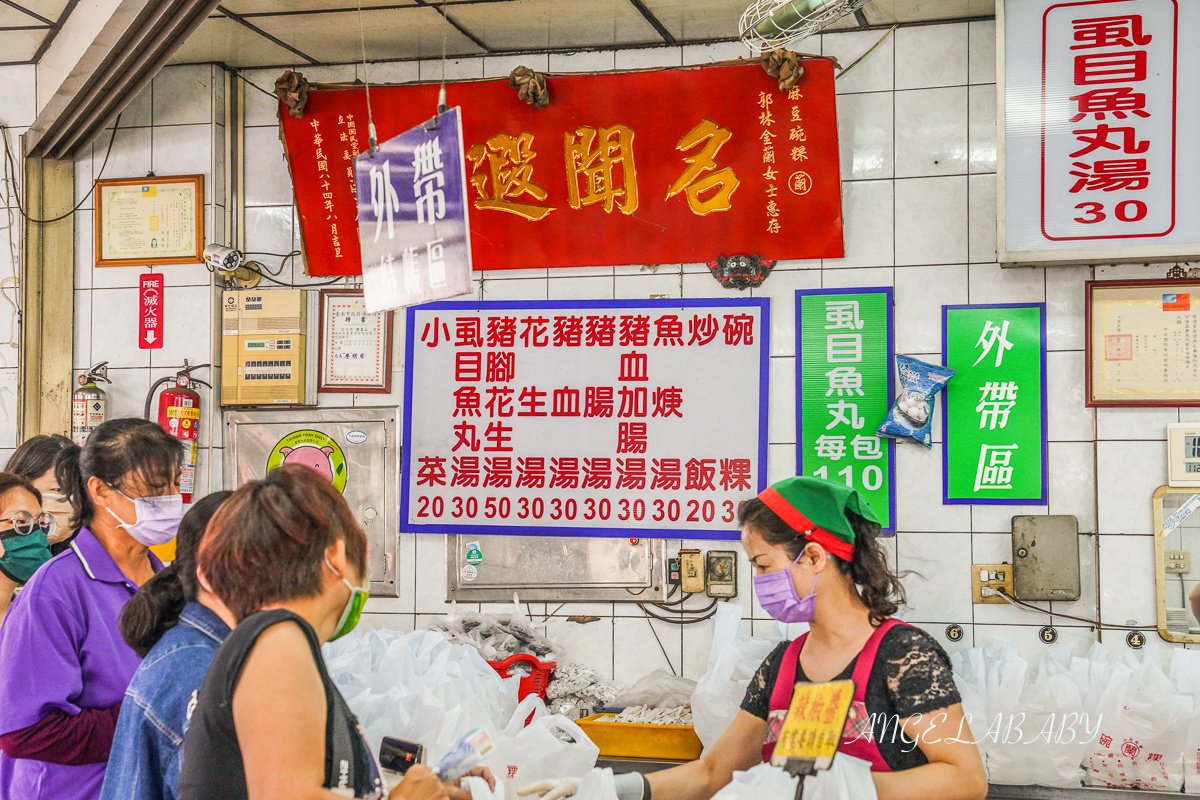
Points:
587	418
1100	104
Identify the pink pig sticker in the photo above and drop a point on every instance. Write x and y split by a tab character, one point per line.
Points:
311	456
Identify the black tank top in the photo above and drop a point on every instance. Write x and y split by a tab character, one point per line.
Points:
212	760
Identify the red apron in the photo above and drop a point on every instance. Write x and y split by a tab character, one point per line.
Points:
857	740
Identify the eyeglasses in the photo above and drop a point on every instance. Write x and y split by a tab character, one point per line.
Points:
24	523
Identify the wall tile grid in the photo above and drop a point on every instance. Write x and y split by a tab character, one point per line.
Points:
176	126
918	167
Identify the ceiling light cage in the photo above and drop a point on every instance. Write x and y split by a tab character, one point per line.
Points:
768	24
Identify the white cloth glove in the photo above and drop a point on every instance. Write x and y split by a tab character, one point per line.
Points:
554	789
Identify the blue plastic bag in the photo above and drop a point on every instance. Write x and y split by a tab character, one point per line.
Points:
911	414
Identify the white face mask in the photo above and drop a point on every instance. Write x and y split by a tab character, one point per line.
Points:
60	508
157	518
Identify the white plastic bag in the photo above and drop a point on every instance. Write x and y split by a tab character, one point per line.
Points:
479	790
1144	728
535	753
848	778
419	687
970	676
732	662
658	689
597	785
1026	745
759	783
1191	752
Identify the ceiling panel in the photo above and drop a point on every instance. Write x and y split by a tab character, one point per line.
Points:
553	24
693	20
50	9
19	46
395	34
12	18
223	40
888	12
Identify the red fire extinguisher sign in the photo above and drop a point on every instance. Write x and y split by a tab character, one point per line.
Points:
150	308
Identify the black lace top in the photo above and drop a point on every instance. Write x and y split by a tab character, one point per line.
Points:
912	675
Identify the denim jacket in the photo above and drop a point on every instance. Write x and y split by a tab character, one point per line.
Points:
147	750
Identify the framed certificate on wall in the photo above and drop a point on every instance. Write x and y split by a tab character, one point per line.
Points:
1143	343
143	221
356	346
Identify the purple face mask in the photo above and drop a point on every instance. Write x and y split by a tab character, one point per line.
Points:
777	595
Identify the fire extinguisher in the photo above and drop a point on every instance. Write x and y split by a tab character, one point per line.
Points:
88	403
179	415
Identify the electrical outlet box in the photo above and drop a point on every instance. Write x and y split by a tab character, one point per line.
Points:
691	563
990	577
1177	561
721	566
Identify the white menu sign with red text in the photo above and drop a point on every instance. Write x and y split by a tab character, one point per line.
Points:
1100	105
584	418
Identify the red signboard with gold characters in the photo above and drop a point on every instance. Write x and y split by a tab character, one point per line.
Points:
672	166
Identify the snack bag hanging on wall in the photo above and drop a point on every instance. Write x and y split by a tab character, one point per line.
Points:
911	413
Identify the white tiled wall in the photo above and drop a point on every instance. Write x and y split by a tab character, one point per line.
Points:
917	130
18	107
176	126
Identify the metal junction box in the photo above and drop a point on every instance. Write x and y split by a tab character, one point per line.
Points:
555	568
1045	551
356	448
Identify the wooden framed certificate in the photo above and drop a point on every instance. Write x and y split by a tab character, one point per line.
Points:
1143	343
144	221
356	346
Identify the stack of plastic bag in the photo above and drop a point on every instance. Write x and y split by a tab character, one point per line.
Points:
1117	721
498	636
419	687
732	662
577	689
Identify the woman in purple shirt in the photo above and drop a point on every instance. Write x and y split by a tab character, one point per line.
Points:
63	664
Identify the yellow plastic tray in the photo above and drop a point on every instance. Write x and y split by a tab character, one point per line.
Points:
631	740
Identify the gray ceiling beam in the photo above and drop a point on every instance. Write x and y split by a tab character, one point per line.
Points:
654	21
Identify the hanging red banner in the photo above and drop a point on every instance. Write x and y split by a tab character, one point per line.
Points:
665	167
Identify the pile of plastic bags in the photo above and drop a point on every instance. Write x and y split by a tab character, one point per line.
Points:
577	690
418	686
1117	721
498	636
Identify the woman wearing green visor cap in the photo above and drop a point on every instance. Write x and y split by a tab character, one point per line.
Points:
24	534
814	547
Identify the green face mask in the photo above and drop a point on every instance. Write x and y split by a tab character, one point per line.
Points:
24	554
354	606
